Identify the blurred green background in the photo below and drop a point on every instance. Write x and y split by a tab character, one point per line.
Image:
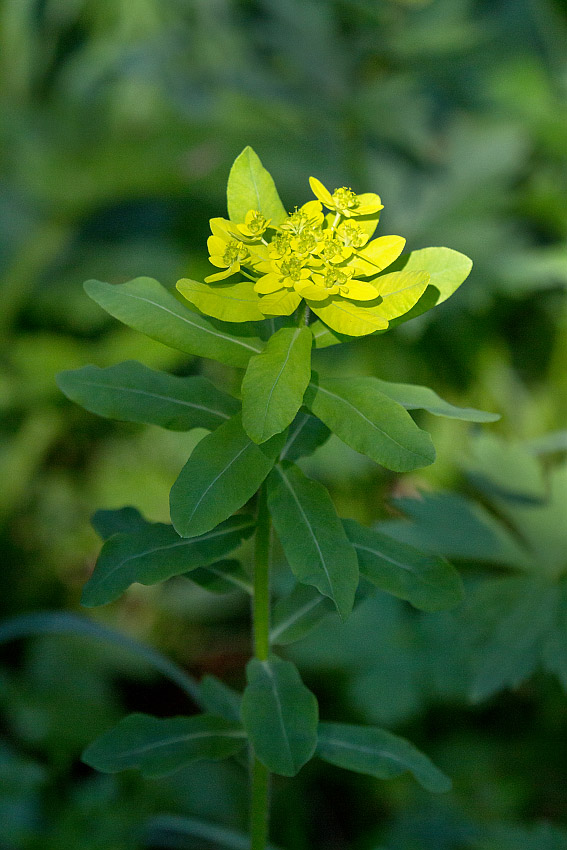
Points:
119	121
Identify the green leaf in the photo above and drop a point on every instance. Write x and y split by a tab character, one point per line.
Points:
224	471
296	615
275	382
306	433
63	623
222	577
132	392
146	306
217	698
109	522
231	301
156	553
447	270
367	749
428	582
158	747
251	187
450	525
370	422
414	397
312	536
280	715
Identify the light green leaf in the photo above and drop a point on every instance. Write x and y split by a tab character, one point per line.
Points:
230	301
132	392
414	397
156	553
217	698
222	577
224	471
251	187
280	715
274	383
295	615
370	422
428	582
447	269
158	747
146	306
367	749
313	539
306	433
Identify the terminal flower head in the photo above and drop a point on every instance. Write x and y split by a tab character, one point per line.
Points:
344	201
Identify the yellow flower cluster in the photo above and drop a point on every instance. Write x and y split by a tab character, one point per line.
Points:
326	258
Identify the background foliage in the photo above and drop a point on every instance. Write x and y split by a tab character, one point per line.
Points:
119	123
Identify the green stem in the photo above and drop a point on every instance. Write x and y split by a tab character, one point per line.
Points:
260	776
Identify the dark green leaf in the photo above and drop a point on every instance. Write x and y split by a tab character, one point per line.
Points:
222	577
158	747
177	831
280	715
157	553
428	582
367	749
370	422
224	471
414	397
306	433
251	187
275	382
131	392
109	522
312	536
295	615
146	306
218	698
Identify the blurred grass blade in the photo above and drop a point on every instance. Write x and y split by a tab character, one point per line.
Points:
185	833
61	622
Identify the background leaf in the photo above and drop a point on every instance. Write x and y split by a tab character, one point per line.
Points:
413	397
295	615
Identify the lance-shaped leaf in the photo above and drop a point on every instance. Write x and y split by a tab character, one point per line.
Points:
158	746
306	433
224	471
156	553
146	306
132	392
222	577
275	382
370	750
232	302
217	698
428	582
312	535
370	422
108	522
295	615
251	187
280	715
414	397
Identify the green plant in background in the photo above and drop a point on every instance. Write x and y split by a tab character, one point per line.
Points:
306	280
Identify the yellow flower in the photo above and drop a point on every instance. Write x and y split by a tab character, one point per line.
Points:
344	201
254	225
226	251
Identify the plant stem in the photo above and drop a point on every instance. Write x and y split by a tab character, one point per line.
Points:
260	776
